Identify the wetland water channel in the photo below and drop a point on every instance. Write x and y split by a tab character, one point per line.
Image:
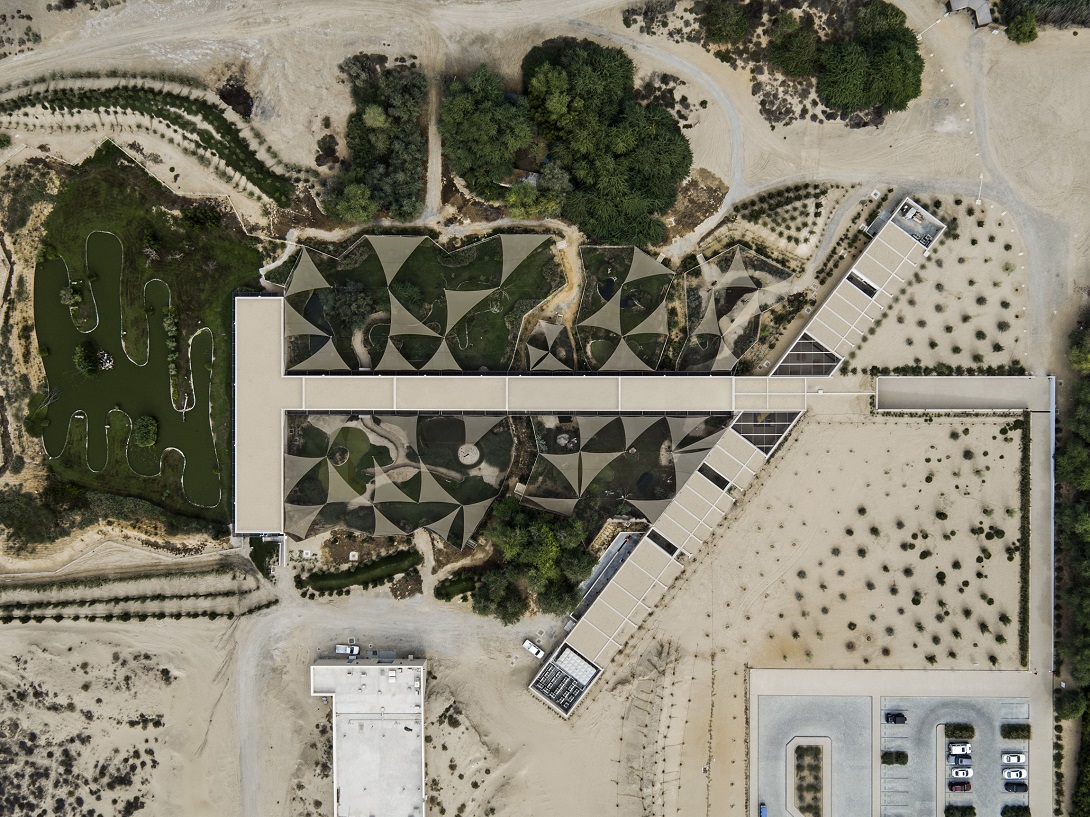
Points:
136	385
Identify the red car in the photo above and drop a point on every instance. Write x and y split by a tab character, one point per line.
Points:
960	786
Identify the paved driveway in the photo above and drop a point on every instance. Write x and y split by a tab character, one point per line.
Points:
845	720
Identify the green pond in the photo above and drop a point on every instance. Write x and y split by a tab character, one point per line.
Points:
138	382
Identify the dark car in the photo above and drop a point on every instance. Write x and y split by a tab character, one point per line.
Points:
1016	787
896	717
960	760
960	786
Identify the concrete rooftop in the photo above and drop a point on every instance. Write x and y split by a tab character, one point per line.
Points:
378	735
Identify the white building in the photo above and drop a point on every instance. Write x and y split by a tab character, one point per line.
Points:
378	732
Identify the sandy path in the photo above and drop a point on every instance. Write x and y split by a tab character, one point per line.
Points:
433	198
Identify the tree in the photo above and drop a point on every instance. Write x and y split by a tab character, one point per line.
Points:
483	130
876	18
1073	464
385	141
725	21
1079	357
145	431
1023	28
498	595
896	69
524	201
1070	704
353	203
85	358
842	83
347	305
793	46
5	141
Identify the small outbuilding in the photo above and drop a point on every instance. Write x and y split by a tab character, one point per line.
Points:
981	11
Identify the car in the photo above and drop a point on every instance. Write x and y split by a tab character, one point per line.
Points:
960	786
896	717
960	760
347	649
1015	773
1015	788
533	649
959	748
960	772
1014	757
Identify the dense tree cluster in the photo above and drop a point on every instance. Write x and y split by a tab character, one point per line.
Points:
1048	12
483	130
347	306
386	144
540	553
611	166
878	66
1073	516
871	61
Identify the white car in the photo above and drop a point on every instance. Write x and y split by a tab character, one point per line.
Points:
957	748
1014	757
533	649
961	772
1014	774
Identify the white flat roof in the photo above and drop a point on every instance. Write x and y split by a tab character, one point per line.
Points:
378	736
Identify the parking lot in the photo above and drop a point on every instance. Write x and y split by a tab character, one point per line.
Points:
921	788
845	720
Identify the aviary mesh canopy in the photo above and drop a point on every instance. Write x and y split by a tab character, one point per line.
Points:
295	324
376	474
653	324
515	250
608	317
644	266
326	359
393	251
404	322
647	463
460	302
305	276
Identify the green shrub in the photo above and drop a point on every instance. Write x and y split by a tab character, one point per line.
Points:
1011	810
36	419
726	21
793	46
5	141
457	584
1015	731
1070	704
264	555
614	165
1023	28
960	731
960	811
894	758
370	573
145	431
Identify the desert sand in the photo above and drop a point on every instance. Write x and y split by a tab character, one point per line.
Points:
240	733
